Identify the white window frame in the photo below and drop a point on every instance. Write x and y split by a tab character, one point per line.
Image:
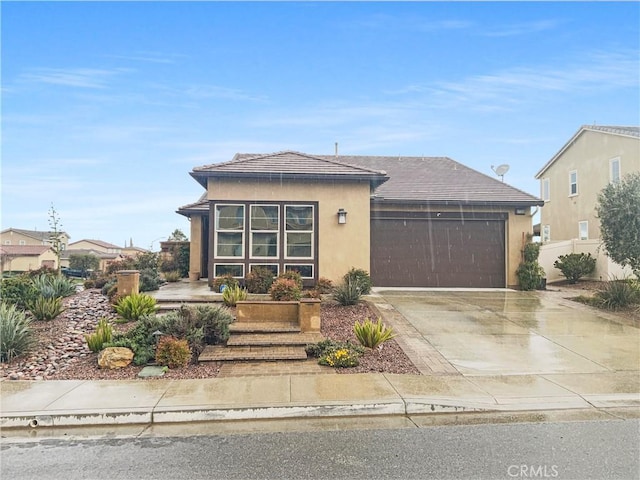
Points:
22	242
7	242
290	265
583	226
220	264
310	232
546	190
572	183
612	162
251	232
218	230
546	233
277	265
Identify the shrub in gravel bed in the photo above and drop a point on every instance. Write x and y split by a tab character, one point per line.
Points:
16	336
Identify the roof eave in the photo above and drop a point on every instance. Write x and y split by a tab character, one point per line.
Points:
485	203
376	179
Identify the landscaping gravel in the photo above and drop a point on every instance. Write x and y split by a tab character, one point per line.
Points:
61	352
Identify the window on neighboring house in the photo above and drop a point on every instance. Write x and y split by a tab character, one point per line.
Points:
7	242
573	182
614	170
546	233
229	238
546	194
22	242
583	230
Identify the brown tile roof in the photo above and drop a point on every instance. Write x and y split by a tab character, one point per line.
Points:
99	243
36	234
438	180
286	164
24	250
66	254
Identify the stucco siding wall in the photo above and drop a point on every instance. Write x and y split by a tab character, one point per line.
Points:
31	262
340	247
195	246
590	157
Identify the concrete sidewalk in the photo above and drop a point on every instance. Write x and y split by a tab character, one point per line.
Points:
36	404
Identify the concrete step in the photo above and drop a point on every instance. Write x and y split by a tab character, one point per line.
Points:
264	327
216	353
273	339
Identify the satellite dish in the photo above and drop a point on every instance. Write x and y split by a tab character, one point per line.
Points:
500	170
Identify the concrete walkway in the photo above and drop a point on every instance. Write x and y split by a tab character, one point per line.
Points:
476	355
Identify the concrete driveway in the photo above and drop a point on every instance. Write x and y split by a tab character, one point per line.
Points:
510	333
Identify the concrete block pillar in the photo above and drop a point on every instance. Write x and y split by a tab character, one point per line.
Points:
128	282
309	315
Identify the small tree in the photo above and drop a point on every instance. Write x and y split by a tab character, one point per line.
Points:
55	235
574	266
84	262
177	236
618	208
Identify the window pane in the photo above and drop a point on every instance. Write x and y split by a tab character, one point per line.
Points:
268	266
264	245
299	245
264	217
299	218
229	217
615	171
235	270
229	245
306	271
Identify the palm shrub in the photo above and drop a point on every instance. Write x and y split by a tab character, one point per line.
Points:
618	294
102	335
16	336
232	295
285	289
46	308
574	266
347	293
359	277
371	334
259	280
134	306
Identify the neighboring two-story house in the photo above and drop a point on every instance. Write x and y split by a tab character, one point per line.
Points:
409	221
571	181
105	251
18	236
23	250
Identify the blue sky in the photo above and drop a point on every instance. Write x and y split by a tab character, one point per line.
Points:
106	106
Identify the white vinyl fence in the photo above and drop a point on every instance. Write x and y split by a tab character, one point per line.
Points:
605	268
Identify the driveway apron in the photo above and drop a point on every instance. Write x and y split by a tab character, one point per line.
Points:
505	332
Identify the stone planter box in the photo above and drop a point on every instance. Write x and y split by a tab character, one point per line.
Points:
305	313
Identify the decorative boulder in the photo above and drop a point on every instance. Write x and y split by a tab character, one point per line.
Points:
115	357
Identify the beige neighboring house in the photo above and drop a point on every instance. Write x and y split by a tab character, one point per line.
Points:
409	221
105	251
22	258
569	185
18	236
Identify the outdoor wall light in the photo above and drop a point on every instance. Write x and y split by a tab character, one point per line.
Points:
342	216
520	211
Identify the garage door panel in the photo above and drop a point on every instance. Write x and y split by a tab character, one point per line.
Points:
437	253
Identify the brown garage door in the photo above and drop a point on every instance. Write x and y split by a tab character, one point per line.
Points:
438	250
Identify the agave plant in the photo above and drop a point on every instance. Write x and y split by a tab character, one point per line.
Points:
371	334
232	295
16	336
46	308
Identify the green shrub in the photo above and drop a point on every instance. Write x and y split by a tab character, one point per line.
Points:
360	278
18	291
107	286
530	275
324	285
102	280
347	293
102	335
232	295
172	276
228	280
531	252
326	346
313	293
88	284
259	280
46	308
292	275
575	266
618	294
16	336
51	286
140	338
285	289
371	334
134	306
149	280
172	352
342	358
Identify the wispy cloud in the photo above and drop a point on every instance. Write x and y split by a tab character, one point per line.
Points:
410	22
526	28
72	77
149	57
216	91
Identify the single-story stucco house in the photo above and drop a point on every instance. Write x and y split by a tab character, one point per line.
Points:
409	221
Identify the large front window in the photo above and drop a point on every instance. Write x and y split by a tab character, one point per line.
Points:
277	235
